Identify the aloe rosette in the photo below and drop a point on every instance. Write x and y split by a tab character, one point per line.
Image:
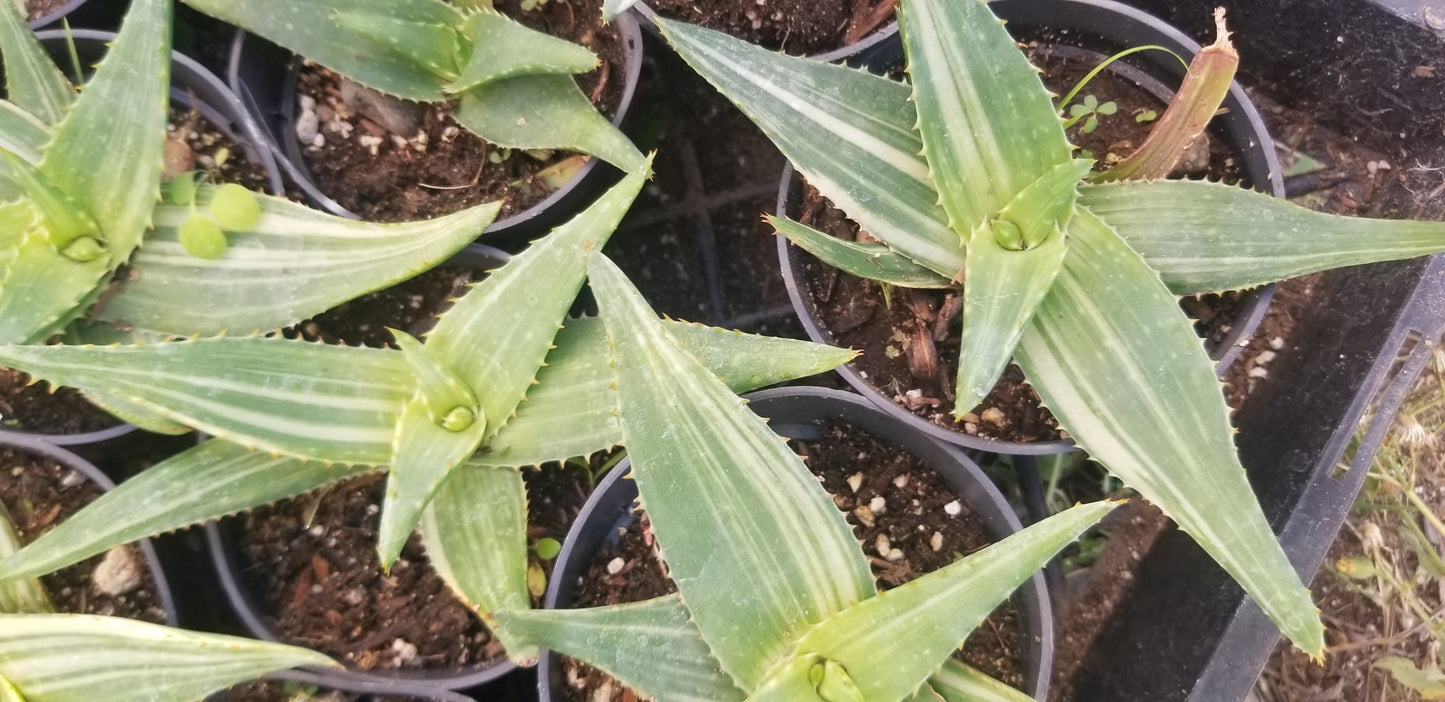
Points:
965	174
504	380
81	196
775	597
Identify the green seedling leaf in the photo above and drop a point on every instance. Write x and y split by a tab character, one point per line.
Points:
433	46
201	237
499	334
572	411
905	620
653	647
81	658
872	261
180	190
545	111
1206	237
1149	408
548	548
314	30
440	425
957	682
1429	683
985	137
612	8
1205	86
504	48
19	595
235	208
32	81
209	481
850	133
475	531
304	400
749	598
292	264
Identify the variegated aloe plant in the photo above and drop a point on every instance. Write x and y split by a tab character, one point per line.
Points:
81	192
775	597
49	657
504	380
512	85
965	174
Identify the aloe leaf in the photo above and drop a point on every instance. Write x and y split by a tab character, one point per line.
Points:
41	287
905	621
872	261
1205	237
22	134
956	682
505	48
497	335
849	132
1002	290
294	263
211	480
438	428
475	532
312	29
137	413
572	411
612	8
16	218
8	693
306	400
545	112
108	149
764	554
80	658
653	647
431	45
20	595
988	126
32	81
1112	357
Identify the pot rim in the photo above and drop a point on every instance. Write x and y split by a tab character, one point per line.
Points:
1115	23
793	410
48	449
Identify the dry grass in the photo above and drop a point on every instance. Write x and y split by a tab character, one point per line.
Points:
1382	589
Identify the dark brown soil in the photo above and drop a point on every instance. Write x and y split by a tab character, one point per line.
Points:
278	691
914	499
41	493
313	567
408	178
410	306
35	9
910	347
795	26
194	144
35	408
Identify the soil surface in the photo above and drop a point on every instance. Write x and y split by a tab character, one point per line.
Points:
311	562
440	168
35	408
194	144
795	26
910	347
35	9
901	512
40	493
411	306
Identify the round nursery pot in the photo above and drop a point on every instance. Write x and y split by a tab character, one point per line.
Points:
1112	26
860	51
813	415
114	583
192	87
266	76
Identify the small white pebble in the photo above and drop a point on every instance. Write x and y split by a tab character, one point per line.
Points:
354	596
72	479
878	504
1258	372
900	481
953	509
317	531
895	555
855	481
935	542
318	141
373	509
883	545
1276	343
118	573
864	515
1265	357
405	650
369	142
994	416
615	566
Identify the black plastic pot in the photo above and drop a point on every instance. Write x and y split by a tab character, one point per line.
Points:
1098	24
32	445
797	413
264	76
857	52
192	86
